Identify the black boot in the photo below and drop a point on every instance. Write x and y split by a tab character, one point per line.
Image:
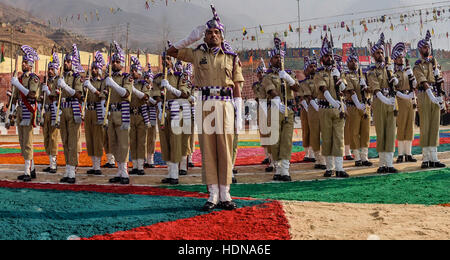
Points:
342	175
47	169
382	170
328	174
437	165
367	164
269	169
358	164
425	165
400	159
391	170
115	180
410	158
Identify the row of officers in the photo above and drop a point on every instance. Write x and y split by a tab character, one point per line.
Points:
336	113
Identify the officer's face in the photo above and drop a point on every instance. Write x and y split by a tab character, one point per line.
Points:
276	61
94	72
327	60
379	55
116	66
425	51
260	76
399	61
51	73
311	70
213	37
25	66
135	74
67	65
352	65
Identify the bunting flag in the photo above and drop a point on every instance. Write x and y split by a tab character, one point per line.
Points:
290	28
244	31
2	58
261	29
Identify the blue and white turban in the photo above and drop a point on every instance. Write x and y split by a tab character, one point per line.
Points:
379	45
136	64
353	55
118	54
215	22
277	48
99	62
54	62
74	57
425	41
30	55
398	50
309	62
326	49
262	67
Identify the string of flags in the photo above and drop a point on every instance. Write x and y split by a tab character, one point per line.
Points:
393	21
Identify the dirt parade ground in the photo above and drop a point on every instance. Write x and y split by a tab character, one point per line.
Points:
410	205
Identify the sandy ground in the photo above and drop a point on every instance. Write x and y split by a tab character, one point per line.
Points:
325	221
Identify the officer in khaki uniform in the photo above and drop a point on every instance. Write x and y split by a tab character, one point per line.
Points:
170	134
261	99
358	111
26	93
429	78
218	74
151	131
94	114
140	118
383	107
71	94
274	85
120	90
188	138
308	95
50	131
328	80
405	97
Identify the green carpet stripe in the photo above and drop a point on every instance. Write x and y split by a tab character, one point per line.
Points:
427	188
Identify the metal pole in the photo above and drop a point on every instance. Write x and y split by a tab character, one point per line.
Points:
299	36
257	38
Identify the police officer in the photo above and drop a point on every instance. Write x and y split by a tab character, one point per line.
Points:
151	131
71	94
27	91
430	81
170	133
381	79
328	80
218	74
358	110
405	97
310	113
50	131
94	114
120	88
279	86
140	118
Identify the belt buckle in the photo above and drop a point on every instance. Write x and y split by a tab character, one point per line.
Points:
214	92
63	100
113	107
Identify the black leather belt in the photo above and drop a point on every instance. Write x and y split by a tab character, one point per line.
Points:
222	93
115	107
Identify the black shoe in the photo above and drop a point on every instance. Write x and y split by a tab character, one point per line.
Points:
108	165
400	159
437	165
133	172
190	165
125	181
33	174
269	169
26	178
425	165
277	177
342	175
90	172
234	180
48	169
367	164
307	160
182	173
358	164
328	174
53	171
64	180
147	166
349	158
115	180
170	181
141	173
320	167
208	207
266	161
235	172
20	178
409	158
391	170
286	178
382	170
71	180
97	173
227	205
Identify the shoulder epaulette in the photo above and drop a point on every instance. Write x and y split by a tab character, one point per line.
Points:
158	76
178	74
320	69
418	61
126	75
